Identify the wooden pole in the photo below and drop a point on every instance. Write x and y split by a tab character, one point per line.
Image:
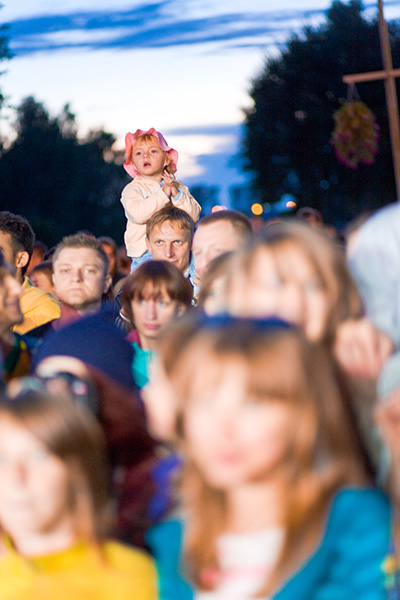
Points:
391	96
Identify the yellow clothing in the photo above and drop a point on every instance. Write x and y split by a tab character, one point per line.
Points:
37	307
79	573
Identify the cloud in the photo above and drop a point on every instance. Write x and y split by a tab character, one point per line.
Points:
149	26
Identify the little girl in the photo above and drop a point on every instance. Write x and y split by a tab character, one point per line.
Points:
274	491
152	164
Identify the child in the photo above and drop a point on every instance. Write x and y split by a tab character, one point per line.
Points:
152	164
274	490
53	501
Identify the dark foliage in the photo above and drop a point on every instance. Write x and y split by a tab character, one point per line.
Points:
287	132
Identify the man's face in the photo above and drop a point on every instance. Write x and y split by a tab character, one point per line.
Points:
79	278
170	242
7	249
210	241
10	311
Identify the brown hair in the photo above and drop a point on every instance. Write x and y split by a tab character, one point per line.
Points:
68	430
82	240
161	275
240	223
326	257
321	457
172	214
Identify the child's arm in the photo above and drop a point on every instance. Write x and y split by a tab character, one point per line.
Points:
138	206
184	200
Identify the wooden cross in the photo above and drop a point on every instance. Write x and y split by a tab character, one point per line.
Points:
388	75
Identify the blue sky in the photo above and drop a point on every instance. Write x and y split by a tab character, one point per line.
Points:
182	66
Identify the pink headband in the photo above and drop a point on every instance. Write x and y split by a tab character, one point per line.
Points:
131	138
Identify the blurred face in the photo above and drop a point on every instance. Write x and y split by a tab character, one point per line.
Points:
148	158
6	248
152	313
35	491
160	403
170	242
234	439
293	291
79	278
42	281
10	311
210	241
112	259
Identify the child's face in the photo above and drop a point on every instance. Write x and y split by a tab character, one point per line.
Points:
148	158
232	438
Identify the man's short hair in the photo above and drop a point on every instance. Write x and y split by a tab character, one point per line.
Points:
82	240
22	235
240	223
172	214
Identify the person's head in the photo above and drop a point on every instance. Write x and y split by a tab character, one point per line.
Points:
16	241
41	276
298	273
148	154
10	293
217	233
154	294
39	250
53	471
110	248
169	234
212	289
256	405
80	272
311	215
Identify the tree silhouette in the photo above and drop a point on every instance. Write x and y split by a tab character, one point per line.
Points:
287	132
59	182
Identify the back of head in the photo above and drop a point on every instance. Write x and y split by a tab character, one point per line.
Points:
20	231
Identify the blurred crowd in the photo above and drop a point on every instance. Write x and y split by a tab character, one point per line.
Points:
210	412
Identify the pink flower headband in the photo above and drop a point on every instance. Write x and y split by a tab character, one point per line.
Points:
131	138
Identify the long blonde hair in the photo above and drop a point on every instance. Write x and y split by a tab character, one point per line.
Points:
322	456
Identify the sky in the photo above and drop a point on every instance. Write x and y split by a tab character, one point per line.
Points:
184	67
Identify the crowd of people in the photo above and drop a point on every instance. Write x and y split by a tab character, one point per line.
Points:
216	417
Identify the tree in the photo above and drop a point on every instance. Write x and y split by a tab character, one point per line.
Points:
287	132
59	182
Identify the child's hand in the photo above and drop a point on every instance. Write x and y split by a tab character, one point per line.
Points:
169	186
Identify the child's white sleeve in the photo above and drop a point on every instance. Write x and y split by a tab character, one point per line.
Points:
138	207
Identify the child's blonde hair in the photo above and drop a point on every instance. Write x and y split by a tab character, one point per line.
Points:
323	454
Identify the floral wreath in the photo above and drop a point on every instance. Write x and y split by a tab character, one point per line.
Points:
356	134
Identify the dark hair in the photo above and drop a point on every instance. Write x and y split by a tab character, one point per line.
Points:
240	223
161	274
45	267
82	240
173	214
22	235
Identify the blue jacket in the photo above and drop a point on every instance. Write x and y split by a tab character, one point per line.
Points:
347	565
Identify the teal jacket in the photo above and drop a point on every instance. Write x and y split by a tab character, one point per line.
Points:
347	565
